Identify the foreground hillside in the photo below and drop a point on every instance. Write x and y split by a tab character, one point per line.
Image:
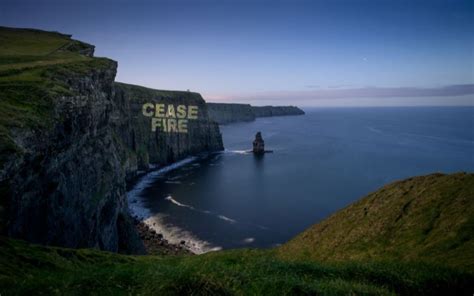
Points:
429	218
34	270
425	251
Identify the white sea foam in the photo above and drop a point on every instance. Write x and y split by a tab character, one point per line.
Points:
178	203
149	178
226	219
175	235
155	221
248	240
222	217
237	151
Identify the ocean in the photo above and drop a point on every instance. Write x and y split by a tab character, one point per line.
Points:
322	162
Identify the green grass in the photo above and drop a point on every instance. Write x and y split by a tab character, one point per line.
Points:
33	65
30	42
144	93
30	269
428	218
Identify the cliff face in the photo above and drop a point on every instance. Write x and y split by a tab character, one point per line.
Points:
224	113
267	111
143	147
69	139
66	185
227	113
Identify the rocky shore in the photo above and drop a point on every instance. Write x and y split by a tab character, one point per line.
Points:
156	244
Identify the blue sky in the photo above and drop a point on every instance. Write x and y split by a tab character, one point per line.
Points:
306	53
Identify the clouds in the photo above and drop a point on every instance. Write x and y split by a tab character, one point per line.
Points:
378	93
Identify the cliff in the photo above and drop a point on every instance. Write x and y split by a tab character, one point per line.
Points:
227	113
224	113
143	147
70	137
267	111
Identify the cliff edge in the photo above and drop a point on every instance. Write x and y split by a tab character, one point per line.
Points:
224	113
70	137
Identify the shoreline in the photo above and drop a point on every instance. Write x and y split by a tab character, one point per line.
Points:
157	236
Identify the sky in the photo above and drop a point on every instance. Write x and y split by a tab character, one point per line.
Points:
306	53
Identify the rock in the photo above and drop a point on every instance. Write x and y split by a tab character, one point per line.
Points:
258	144
182	242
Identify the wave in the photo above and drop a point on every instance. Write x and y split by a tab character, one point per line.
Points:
248	240
222	217
176	234
178	203
226	219
237	151
156	222
149	178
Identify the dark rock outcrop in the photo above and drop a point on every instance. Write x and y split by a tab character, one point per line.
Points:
67	188
258	144
228	113
224	113
267	111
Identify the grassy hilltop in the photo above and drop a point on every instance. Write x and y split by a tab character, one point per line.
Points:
427	251
32	63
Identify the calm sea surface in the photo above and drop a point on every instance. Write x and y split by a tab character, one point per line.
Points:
322	161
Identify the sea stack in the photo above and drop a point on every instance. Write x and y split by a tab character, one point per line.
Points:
258	144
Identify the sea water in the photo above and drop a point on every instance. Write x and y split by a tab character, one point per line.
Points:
322	162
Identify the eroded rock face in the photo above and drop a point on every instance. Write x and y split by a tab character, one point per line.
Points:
268	111
258	144
224	113
144	147
67	187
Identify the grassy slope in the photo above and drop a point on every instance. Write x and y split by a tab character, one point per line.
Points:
429	218
27	269
145	92
435	222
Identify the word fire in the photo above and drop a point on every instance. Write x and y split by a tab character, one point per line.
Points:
168	117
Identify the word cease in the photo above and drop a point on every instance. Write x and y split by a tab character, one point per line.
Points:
168	117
